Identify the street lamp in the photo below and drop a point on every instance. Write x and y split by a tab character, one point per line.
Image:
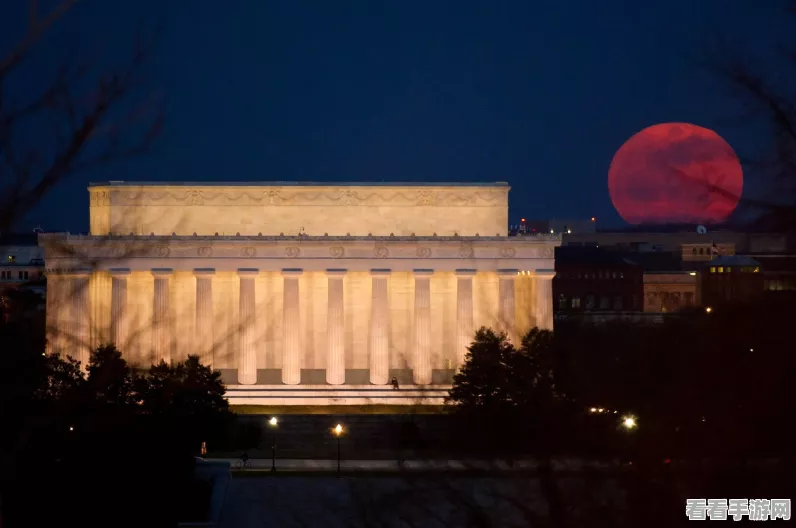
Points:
273	422
708	309
629	422
338	432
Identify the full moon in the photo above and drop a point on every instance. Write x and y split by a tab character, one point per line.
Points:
675	173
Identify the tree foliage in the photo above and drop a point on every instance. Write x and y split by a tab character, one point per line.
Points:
112	429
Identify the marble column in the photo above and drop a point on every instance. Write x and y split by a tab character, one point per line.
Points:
119	315
100	295
203	333
247	350
421	360
291	328
544	298
161	316
464	313
335	328
64	314
379	328
51	311
80	335
506	319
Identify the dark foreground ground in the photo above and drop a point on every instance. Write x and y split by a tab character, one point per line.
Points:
442	499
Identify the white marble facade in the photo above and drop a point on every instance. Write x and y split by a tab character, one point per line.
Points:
369	282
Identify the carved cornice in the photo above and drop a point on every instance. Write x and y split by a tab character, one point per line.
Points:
185	248
297	196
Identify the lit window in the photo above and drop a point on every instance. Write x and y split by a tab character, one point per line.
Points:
713	269
721	269
12	258
757	270
576	302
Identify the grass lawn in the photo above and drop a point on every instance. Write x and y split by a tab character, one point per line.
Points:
337	409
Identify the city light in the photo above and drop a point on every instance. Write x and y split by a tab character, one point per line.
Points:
273	421
338	430
629	422
692	273
593	219
71	428
708	309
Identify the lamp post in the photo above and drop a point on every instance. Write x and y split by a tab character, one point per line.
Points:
338	431
273	422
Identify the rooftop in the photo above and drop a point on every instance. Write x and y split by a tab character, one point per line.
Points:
294	184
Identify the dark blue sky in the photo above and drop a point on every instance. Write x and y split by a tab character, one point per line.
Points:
540	94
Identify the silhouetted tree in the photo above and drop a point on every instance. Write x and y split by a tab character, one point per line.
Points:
110	379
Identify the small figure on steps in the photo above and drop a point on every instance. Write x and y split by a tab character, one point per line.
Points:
395	383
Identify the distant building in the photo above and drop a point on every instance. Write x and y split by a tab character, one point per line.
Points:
22	283
552	227
22	260
730	278
779	271
589	279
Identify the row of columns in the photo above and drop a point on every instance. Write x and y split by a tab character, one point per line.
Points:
291	325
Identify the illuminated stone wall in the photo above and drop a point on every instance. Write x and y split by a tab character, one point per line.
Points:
358	210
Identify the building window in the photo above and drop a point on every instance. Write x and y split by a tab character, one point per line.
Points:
562	302
720	269
605	303
713	269
757	270
576	303
618	303
621	275
701	251
590	302
693	251
12	259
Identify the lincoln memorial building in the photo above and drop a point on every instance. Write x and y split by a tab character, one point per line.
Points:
298	293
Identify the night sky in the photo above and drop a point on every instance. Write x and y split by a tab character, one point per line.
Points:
540	94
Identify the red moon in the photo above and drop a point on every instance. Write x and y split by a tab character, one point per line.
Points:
675	173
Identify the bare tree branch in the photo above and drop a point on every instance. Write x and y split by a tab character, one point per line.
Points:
92	122
36	30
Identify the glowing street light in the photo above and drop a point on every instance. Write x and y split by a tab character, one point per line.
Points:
708	309
338	432
629	422
273	422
